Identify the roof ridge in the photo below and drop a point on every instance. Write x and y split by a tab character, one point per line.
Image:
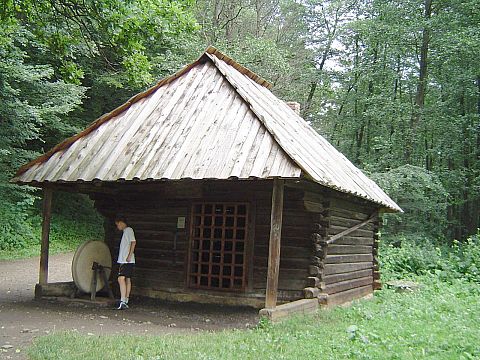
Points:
242	69
259	116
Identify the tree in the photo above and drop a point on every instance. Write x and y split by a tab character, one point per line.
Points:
62	64
267	36
33	103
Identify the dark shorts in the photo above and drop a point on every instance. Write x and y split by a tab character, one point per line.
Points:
126	270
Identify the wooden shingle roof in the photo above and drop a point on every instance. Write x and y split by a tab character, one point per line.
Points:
214	119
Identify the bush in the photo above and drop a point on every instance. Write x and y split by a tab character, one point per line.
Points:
74	220
16	231
405	256
464	259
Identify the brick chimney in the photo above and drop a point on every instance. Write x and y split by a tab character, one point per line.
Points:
295	106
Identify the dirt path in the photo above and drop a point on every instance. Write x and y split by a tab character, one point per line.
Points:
22	319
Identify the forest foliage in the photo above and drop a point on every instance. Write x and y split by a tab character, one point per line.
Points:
393	85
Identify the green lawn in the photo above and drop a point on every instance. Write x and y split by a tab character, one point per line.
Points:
438	322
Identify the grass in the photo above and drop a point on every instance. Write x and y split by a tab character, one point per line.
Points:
438	322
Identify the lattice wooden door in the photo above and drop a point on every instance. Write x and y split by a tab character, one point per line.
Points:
218	237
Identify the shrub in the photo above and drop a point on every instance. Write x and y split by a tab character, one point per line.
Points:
464	259
16	231
73	221
408	255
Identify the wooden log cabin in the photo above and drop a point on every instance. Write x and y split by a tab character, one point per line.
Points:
234	198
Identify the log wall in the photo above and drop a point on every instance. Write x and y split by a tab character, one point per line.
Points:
309	267
152	212
344	269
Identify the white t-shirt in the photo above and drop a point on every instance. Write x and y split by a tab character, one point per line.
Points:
127	238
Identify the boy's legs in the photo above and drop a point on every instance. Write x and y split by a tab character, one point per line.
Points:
123	287
128	287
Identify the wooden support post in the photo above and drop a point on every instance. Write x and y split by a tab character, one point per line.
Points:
47	214
93	283
274	244
107	285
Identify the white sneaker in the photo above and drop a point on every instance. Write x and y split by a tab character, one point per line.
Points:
122	306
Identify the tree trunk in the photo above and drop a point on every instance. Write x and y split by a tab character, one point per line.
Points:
478	113
421	85
332	33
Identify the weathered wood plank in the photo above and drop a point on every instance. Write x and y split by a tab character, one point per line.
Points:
354	240
319	238
350	204
319	250
67	289
348	214
315	270
350	258
284	284
339	231
159	245
288	252
346	267
319	226
377	285
348	222
45	241
147	278
315	196
167	274
159	226
161	264
287	232
337	249
156	250
311	292
348	284
313	206
313	281
274	244
290	218
317	261
288	279
302	306
349	295
285	263
333	278
255	300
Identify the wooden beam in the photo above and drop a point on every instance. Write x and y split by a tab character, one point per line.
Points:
47	214
274	244
352	229
67	289
298	307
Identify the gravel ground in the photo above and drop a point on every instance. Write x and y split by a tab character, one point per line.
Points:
22	318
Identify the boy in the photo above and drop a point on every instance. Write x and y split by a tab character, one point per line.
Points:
126	259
